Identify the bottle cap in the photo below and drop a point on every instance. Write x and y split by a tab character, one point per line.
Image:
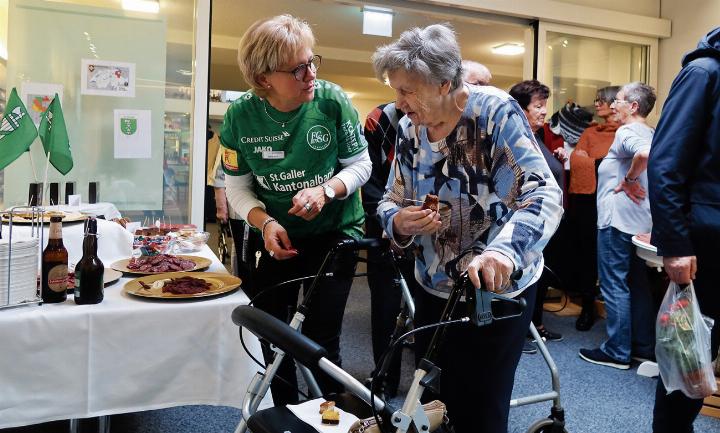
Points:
55	219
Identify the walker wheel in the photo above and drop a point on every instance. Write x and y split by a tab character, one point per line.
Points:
546	425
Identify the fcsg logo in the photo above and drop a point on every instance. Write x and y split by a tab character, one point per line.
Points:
318	137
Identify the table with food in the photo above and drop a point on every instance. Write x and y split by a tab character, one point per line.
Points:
122	328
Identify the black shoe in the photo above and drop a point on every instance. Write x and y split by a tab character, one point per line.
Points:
547	335
529	348
586	319
597	356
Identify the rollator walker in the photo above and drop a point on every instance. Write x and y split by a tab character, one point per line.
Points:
286	339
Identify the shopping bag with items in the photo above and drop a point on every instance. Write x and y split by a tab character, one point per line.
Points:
683	344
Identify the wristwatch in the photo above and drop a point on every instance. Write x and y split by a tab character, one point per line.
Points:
628	180
329	192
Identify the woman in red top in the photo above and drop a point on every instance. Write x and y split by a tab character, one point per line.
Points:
590	150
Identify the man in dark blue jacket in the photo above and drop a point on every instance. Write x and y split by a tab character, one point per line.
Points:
684	184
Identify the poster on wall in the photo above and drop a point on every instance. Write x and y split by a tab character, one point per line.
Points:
38	96
107	78
132	134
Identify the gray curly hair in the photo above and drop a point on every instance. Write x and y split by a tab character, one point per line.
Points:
431	52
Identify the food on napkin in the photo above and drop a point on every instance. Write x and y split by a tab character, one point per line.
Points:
326	405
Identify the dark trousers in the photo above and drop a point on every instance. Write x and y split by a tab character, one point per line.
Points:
323	321
556	260
385	300
478	364
674	412
582	251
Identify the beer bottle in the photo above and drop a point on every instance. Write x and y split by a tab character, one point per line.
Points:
54	265
89	270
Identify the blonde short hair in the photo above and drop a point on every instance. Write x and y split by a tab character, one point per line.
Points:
268	44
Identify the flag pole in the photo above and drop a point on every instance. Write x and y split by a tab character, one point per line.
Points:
32	164
45	185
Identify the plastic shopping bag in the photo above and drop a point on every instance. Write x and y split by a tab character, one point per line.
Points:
683	344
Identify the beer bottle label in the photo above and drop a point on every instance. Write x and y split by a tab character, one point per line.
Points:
57	278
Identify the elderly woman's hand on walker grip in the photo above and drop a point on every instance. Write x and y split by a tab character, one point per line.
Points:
495	267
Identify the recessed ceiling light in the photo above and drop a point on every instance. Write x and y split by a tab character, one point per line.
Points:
508	49
377	21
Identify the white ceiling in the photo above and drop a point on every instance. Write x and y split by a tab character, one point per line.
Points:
346	51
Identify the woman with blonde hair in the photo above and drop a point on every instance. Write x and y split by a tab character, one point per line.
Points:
294	156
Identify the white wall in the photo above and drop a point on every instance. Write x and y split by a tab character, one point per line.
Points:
691	19
650	8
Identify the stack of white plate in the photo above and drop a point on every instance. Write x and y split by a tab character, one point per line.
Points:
18	274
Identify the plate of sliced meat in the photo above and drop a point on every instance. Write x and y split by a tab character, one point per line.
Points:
181	285
161	263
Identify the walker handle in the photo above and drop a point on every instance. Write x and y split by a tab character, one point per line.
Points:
277	332
479	302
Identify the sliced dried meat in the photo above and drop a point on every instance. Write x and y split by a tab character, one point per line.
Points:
160	263
186	286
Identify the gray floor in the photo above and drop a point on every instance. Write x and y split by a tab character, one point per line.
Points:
597	399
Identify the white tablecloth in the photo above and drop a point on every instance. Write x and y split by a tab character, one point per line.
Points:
108	210
60	361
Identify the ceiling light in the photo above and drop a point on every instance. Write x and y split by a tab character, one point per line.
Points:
377	21
149	6
509	49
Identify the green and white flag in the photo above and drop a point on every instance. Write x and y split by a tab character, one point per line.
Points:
17	130
54	137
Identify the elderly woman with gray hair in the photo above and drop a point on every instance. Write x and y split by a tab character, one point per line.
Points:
498	206
623	211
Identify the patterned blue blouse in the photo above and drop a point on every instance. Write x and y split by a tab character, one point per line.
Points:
495	189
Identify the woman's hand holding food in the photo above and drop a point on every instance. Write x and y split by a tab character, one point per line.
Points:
414	220
308	203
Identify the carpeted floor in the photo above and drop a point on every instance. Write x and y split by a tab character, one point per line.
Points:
596	399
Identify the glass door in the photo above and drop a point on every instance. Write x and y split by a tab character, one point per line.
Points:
576	62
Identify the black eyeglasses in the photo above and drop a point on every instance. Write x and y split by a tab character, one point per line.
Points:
301	70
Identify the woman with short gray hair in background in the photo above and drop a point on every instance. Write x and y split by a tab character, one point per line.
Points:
624	211
498	206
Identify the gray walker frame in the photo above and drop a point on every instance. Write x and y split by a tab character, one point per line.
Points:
411	411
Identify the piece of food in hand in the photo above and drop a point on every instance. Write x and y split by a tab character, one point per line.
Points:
331	417
431	202
326	405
